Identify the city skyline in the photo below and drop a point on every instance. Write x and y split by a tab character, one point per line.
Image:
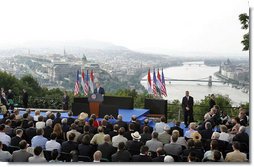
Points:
161	27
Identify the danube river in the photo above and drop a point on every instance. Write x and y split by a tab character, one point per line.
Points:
198	90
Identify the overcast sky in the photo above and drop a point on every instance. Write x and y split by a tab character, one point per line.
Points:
179	25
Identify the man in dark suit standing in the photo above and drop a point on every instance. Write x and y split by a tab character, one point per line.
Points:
99	89
65	101
187	105
25	98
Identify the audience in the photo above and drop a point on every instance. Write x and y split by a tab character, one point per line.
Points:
89	139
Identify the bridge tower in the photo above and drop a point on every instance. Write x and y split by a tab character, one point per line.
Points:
210	82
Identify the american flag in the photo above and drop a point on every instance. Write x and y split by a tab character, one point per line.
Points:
163	87
87	83
154	84
83	82
76	89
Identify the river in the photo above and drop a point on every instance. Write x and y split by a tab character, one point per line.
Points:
198	90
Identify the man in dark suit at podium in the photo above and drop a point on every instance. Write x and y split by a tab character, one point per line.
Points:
99	89
187	105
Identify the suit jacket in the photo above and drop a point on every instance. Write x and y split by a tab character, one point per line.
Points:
30	133
176	128
107	150
101	91
47	131
133	147
128	134
121	156
68	146
242	138
187	103
206	134
159	158
236	156
122	124
173	149
15	141
85	150
21	156
141	158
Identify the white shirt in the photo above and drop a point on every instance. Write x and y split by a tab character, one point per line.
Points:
36	117
159	127
40	125
52	144
5	139
117	139
224	136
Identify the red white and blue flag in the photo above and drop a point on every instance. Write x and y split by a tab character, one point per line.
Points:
76	89
149	83
83	82
87	83
163	87
91	83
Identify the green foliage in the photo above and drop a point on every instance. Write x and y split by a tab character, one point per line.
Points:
244	19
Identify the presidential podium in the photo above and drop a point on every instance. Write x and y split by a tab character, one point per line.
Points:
94	103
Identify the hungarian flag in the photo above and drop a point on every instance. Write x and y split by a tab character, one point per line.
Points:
76	89
87	83
163	87
149	83
154	84
83	82
91	83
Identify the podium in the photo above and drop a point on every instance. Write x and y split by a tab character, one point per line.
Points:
94	103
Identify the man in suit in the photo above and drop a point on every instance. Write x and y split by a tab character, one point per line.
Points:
99	89
65	101
187	105
122	155
106	148
207	133
25	98
173	148
143	156
121	123
21	155
69	145
15	140
5	156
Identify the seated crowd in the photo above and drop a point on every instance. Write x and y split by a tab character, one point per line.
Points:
24	138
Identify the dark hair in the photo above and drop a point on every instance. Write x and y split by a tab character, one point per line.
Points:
163	119
18	131
121	146
131	126
51	116
39	131
91	120
86	128
86	140
236	145
178	123
25	115
174	137
237	119
214	145
192	157
216	155
40	118
54	154
161	151
155	134
146	129
2	126
190	143
72	136
53	136
37	150
121	131
22	144
144	149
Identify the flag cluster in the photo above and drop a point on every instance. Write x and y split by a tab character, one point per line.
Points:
158	86
87	82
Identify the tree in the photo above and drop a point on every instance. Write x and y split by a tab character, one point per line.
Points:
244	19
